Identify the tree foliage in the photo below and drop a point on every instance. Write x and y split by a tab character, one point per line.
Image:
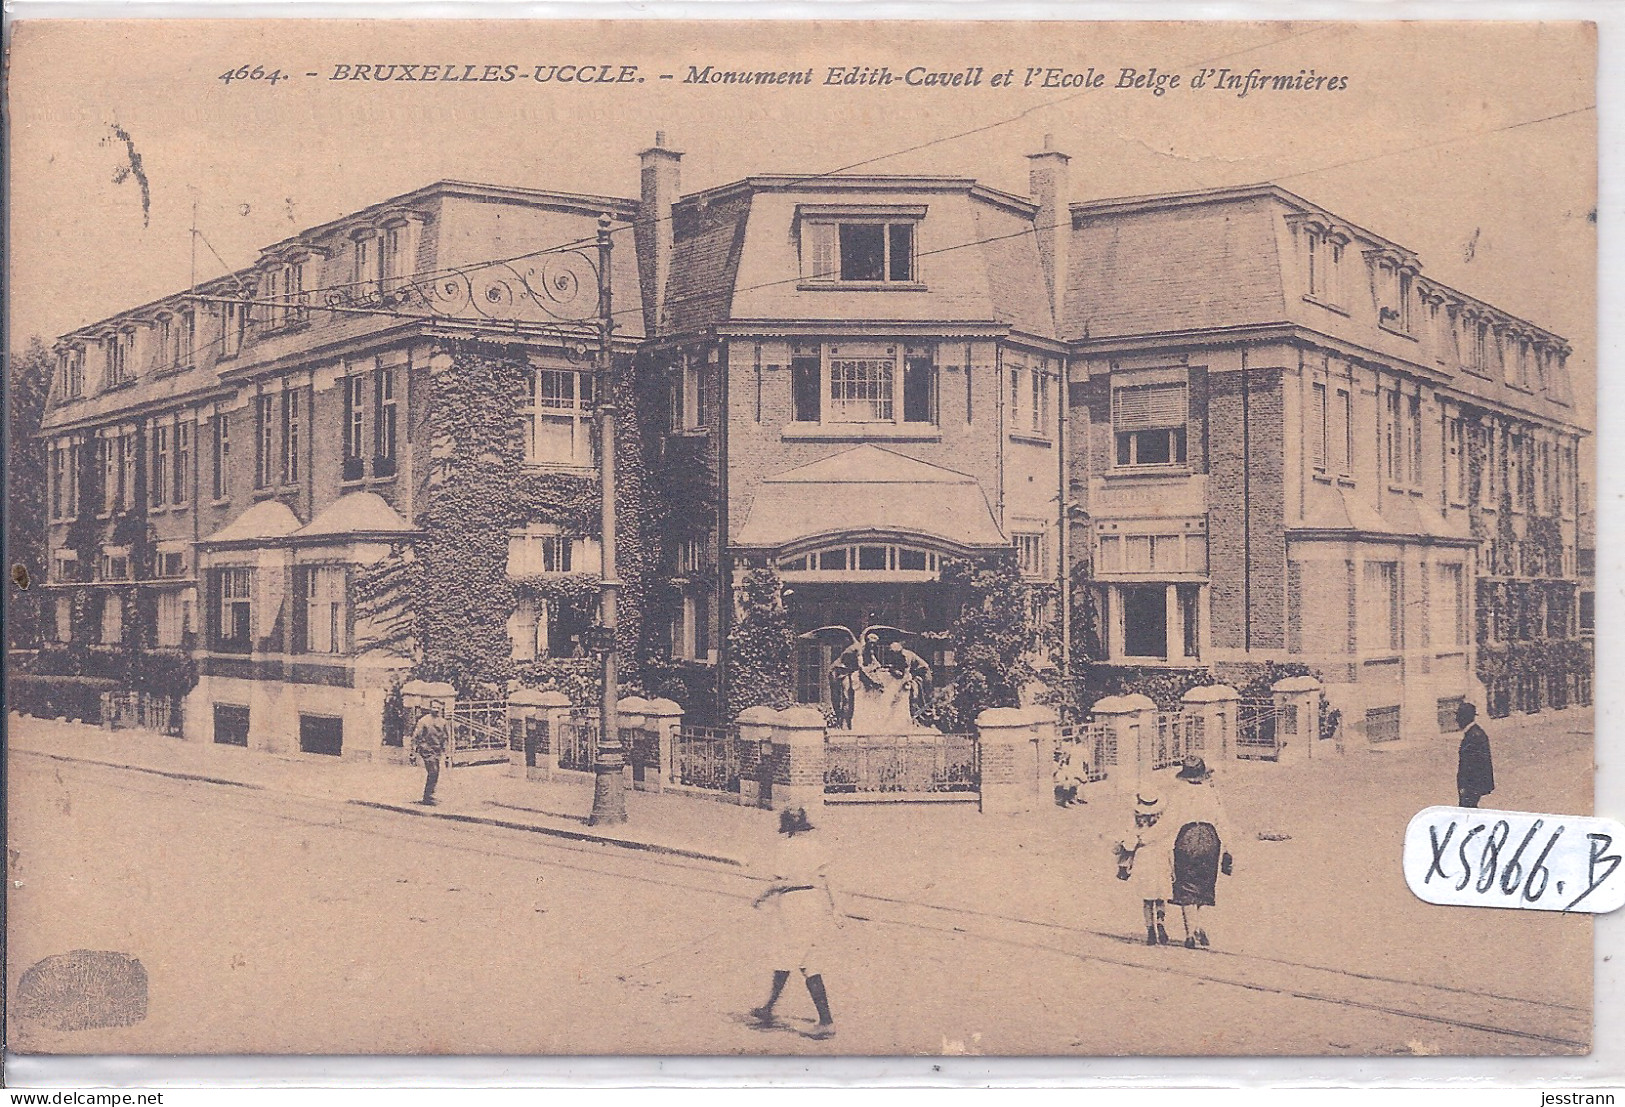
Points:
761	647
28	385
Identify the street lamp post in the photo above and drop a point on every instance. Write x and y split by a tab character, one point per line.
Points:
609	789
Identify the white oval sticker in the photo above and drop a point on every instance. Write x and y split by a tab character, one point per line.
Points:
1466	857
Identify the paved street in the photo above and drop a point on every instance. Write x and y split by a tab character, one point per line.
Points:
274	912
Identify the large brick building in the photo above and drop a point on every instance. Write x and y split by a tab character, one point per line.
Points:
1244	429
1386	469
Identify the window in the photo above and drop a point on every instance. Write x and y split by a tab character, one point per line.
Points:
1393	431
234	609
848	562
174	616
1317	427
561	419
158	477
1342	432
231	724
691	628
1455	471
221	450
395	261
527	629
861	389
322	588
1515	467
1030	554
64	479
290	435
1029	400
366	262
107	449
544	550
112	619
71	372
185	338
688	397
264	441
233	328
1450	611
1413	443
120	352
865	383
1145	620
867	251
1379	607
920	384
114	564
181	490
1149	422
690	556
171	563
805	387
64	619
288	290
166	343
126	460
1323	258
64	566
384	425
355	411
547	628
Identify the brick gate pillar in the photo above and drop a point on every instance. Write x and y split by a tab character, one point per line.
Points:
1216	706
798	754
757	725
1133	719
1008	742
1297	717
555	712
525	757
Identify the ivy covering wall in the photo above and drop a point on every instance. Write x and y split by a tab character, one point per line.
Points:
478	490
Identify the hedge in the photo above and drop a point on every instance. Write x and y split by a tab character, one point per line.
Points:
59	697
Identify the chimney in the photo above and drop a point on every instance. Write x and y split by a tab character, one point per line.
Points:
658	193
1047	180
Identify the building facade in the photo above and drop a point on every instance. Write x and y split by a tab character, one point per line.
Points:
1221	428
1385	469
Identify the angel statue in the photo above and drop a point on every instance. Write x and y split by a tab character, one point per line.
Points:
877	685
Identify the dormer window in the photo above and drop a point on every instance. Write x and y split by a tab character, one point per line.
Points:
860	246
1392	283
71	372
120	354
1323	263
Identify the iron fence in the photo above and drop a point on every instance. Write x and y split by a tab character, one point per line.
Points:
1168	740
1092	743
1258	731
479	731
578	744
141	711
927	763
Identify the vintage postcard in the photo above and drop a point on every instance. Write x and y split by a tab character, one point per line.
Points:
838	538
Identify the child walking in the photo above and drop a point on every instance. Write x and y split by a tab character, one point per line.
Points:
1147	865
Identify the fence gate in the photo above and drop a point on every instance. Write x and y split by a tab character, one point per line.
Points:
1258	731
1094	743
578	743
141	710
1168	740
479	732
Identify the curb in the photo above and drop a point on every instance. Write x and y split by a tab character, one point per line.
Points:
171	773
555	832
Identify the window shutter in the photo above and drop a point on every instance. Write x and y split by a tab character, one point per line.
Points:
1158	407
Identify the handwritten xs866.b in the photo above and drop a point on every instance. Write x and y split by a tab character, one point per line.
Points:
1467	857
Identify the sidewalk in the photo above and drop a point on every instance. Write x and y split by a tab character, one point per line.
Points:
1316	844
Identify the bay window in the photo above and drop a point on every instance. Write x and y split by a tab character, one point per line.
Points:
321	591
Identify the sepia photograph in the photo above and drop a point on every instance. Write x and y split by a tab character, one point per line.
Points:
838	538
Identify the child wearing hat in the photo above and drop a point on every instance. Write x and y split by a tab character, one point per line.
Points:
1147	865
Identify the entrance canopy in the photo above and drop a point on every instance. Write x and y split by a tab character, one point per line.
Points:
870	491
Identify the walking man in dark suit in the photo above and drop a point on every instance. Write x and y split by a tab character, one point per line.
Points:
1475	774
429	740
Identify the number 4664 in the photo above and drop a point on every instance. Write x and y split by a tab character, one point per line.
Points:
253	73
